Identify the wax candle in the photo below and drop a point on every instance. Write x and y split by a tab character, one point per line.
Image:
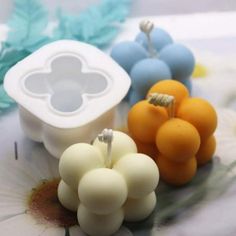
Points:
182	129
153	57
107	182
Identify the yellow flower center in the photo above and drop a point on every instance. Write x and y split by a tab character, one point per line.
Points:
45	206
200	71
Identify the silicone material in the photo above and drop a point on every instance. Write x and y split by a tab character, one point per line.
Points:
66	92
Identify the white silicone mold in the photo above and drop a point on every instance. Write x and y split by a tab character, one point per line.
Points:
67	92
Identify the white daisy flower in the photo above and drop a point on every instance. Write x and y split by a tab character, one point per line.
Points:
220	93
210	64
226	135
214	78
28	198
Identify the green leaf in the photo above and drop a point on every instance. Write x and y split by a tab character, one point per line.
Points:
107	35
119	11
97	25
63	31
27	25
9	57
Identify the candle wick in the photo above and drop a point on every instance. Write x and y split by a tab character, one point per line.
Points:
146	26
107	137
164	100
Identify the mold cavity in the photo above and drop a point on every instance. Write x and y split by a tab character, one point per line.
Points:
66	83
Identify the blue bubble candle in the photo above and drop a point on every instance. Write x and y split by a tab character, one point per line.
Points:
153	57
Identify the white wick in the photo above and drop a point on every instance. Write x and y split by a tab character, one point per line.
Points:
146	26
106	137
164	100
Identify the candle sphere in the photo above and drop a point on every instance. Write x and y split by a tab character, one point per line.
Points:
178	140
149	149
102	191
146	73
179	59
199	113
140	172
159	37
137	209
67	196
188	84
77	160
134	97
121	145
144	119
206	151
176	173
102	225
171	87
127	53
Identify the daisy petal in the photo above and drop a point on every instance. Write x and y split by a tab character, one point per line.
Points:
226	135
15	186
123	231
53	231
43	165
9	210
17	179
16	175
76	231
21	225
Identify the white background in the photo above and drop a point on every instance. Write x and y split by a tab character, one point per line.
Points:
139	7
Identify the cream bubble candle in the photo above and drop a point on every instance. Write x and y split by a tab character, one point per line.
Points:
107	182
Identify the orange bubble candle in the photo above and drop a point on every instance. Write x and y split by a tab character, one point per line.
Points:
178	129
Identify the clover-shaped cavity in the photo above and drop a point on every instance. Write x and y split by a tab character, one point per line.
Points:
66	84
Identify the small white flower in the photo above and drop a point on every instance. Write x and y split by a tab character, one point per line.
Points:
20	179
226	135
215	78
214	65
